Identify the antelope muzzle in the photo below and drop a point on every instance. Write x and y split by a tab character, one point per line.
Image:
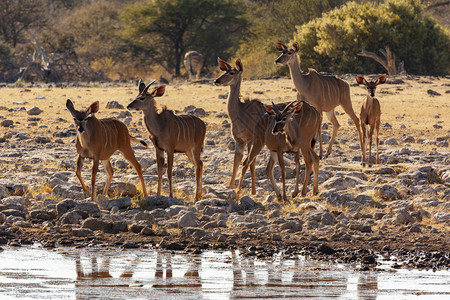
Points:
278	128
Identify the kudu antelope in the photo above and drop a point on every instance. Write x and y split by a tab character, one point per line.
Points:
193	62
98	139
243	114
171	134
370	115
293	129
324	92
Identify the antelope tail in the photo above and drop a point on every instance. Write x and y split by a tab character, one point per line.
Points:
135	140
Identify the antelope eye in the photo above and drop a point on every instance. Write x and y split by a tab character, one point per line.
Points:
231	73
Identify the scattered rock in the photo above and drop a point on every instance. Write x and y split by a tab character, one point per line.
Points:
34	111
433	93
96	224
247	203
188	220
114	105
391	142
154	202
42	139
325	249
121	203
7	123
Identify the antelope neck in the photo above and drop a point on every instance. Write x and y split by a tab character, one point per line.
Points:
233	98
152	118
297	76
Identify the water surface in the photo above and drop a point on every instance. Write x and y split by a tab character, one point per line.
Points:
33	272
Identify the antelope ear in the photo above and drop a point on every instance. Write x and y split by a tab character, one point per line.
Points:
381	79
269	109
239	66
69	105
280	46
295	46
159	91
223	65
93	108
141	86
360	79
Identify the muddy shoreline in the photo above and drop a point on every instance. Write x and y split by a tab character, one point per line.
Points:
366	250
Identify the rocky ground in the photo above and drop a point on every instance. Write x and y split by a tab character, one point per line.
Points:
400	208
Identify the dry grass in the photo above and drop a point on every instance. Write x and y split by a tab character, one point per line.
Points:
406	104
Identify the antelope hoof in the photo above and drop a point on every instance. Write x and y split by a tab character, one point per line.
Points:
363	164
294	194
198	197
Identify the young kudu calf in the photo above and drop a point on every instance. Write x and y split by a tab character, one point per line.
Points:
243	114
98	139
171	133
324	92
370	115
293	129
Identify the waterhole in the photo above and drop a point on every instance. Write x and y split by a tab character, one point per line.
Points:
33	272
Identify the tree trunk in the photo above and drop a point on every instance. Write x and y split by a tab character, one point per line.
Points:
388	62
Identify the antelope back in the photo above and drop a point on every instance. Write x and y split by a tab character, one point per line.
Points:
193	61
183	132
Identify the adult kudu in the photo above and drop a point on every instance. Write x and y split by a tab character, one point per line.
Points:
98	139
244	115
324	92
171	134
291	130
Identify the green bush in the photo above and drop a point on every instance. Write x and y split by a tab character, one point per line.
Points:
273	21
331	43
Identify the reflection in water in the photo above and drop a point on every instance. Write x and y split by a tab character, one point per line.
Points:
368	286
83	274
239	266
102	272
191	279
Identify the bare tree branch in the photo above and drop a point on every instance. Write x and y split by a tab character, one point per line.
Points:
388	62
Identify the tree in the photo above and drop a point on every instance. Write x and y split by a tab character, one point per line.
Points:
163	30
17	16
273	21
331	43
